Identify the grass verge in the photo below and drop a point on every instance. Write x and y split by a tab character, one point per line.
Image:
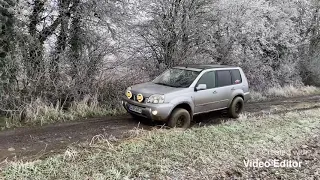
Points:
207	152
286	91
40	113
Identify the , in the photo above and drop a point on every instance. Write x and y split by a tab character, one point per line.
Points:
187	90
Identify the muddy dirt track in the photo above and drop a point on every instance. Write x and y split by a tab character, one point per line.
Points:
37	142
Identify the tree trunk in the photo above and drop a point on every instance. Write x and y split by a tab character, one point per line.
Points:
75	39
34	61
62	37
7	43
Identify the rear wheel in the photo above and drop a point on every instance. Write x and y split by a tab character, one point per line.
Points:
236	107
180	118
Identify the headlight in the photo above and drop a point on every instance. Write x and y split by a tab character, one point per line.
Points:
156	99
129	93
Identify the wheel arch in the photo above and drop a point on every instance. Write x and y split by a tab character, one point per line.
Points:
238	95
186	106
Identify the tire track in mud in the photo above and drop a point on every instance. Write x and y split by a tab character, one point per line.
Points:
37	142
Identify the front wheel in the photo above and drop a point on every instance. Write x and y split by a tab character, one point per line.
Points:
180	118
236	107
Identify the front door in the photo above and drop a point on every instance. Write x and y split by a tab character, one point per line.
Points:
204	99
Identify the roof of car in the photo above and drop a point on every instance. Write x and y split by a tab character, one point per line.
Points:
205	66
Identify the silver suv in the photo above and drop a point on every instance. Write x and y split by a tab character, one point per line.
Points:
184	91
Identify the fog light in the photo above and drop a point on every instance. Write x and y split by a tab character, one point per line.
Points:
154	112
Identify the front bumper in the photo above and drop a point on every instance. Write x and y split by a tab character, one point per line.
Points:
163	110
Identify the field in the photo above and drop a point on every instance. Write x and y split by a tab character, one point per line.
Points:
210	149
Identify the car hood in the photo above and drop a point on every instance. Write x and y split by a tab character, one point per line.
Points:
149	88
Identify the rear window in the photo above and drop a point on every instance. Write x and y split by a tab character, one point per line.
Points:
224	78
236	76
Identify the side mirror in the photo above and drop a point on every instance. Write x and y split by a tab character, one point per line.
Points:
201	87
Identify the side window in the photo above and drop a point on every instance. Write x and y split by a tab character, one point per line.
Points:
236	76
224	78
208	79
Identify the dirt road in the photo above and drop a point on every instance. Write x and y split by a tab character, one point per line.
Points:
38	142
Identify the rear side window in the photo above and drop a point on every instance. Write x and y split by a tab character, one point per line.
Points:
236	76
208	79
224	78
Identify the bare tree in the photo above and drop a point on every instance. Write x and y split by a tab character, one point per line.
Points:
173	30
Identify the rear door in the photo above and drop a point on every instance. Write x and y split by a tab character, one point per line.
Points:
204	99
223	89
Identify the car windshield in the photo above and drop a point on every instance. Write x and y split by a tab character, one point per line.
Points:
179	78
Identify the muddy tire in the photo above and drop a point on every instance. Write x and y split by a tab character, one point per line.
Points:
236	107
180	118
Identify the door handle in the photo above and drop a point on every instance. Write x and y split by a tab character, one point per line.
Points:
233	89
214	92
